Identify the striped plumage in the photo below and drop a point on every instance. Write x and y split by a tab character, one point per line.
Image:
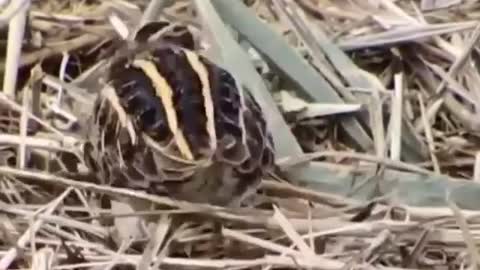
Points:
169	120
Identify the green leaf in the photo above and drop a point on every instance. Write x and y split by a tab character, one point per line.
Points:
413	189
234	59
281	56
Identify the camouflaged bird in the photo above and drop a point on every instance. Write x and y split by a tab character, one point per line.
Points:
169	120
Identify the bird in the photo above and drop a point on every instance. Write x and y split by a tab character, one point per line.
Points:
169	121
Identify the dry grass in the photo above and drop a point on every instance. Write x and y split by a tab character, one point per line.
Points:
378	170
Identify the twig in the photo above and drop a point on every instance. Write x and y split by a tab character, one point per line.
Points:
428	135
267	245
23	240
291	161
152	11
119	26
476	168
13	9
461	59
467	235
381	239
73	44
292	234
396	119
14	47
15	106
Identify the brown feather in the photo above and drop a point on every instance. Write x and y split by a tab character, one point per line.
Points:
175	121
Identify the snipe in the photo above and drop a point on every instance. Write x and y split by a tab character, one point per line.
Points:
170	121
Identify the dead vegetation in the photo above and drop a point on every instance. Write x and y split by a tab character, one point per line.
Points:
374	105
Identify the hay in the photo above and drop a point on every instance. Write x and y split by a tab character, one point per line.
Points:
374	106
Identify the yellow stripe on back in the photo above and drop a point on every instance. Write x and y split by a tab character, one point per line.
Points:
202	73
164	91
